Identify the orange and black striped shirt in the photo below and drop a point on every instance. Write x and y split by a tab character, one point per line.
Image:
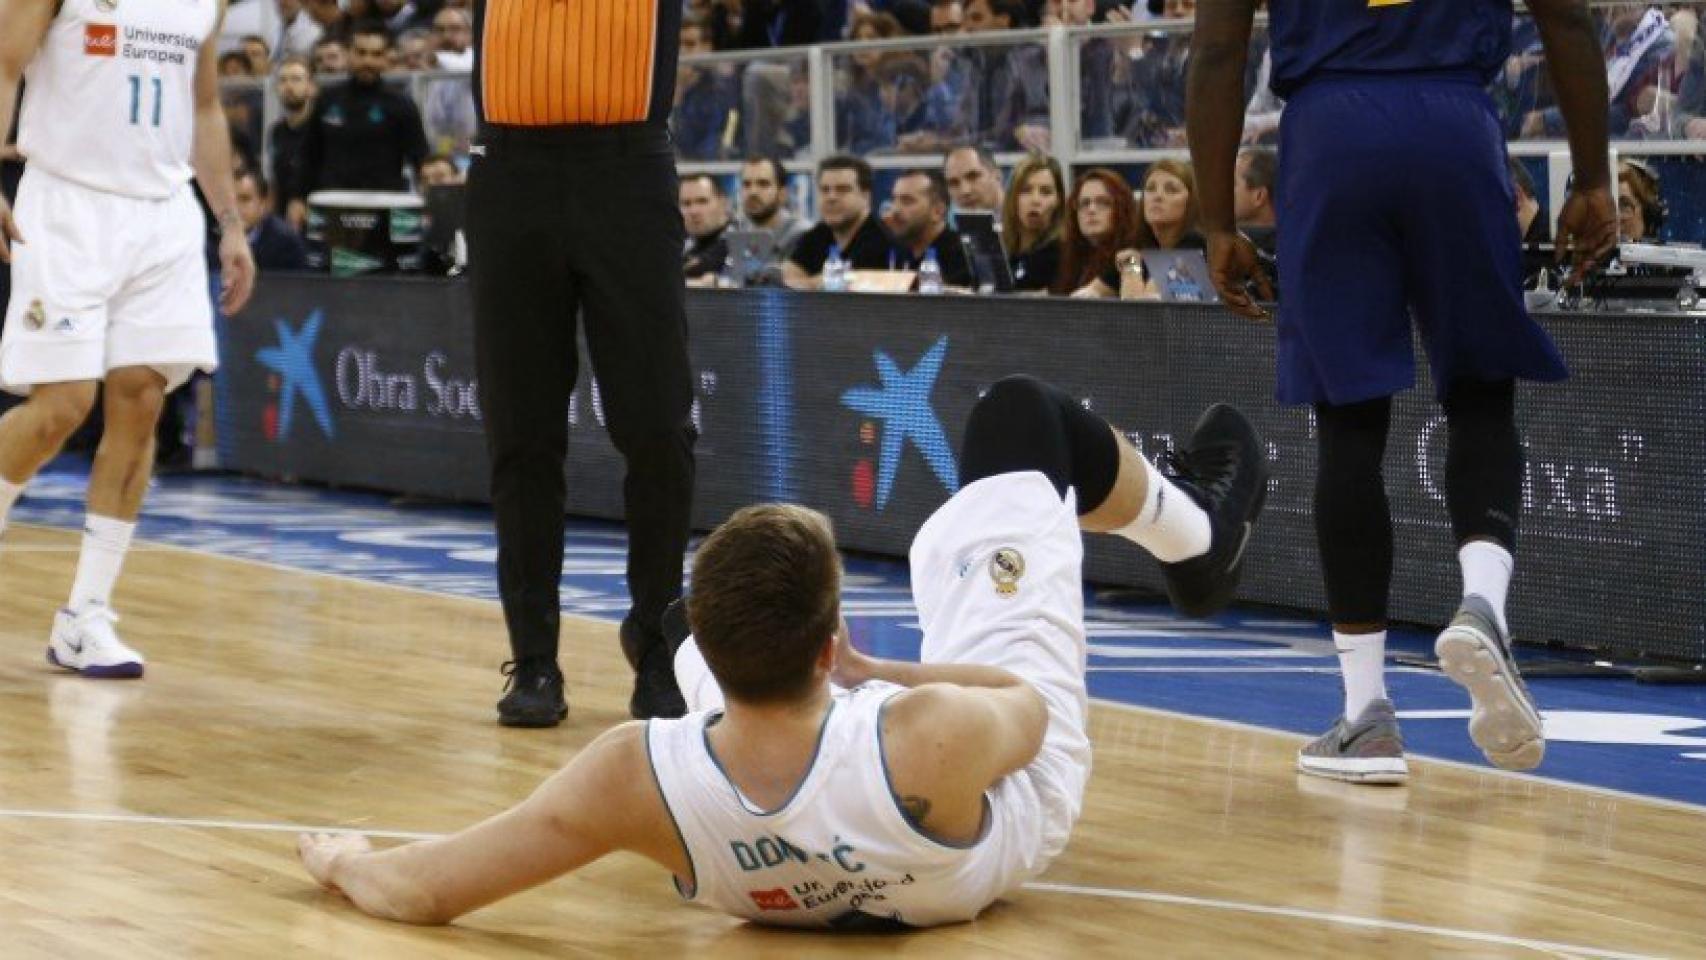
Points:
545	63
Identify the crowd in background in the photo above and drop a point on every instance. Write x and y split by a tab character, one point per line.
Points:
374	95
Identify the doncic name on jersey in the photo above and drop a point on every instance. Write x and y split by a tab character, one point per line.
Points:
139	43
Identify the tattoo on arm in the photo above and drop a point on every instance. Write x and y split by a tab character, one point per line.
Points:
230	221
915	808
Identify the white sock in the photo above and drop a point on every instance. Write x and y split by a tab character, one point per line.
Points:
1362	659
105	541
1487	571
9	493
1169	525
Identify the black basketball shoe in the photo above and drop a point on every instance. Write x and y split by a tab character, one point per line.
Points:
653	659
1224	468
533	697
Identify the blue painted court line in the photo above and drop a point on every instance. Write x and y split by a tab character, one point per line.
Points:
1260	668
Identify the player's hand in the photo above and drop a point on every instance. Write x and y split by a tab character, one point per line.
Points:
1587	230
852	668
9	233
236	272
1234	266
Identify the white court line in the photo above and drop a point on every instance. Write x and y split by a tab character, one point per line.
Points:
1114	704
1338	918
146	820
1147	896
1530	778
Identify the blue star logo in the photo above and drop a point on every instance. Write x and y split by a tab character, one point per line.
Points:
293	361
902	403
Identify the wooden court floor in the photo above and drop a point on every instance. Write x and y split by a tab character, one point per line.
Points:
156	818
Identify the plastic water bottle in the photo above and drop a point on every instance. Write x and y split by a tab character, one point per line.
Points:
930	274
834	271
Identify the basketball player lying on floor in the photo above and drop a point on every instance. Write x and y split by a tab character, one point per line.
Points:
814	786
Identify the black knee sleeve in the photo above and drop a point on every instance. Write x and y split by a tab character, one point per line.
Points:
1025	424
1353	521
1483	463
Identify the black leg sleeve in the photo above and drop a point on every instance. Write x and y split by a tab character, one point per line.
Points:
1483	464
1353	521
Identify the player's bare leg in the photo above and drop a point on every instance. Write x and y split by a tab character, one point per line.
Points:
83	636
35	430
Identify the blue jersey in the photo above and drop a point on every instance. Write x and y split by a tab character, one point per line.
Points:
1314	37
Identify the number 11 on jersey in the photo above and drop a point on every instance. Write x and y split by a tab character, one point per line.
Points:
136	99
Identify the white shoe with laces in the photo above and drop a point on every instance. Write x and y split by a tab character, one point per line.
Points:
84	642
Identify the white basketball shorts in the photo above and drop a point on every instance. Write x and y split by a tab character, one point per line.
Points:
104	281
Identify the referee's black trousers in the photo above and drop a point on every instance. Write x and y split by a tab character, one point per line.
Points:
581	221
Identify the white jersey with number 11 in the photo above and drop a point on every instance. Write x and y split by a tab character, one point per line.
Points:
109	100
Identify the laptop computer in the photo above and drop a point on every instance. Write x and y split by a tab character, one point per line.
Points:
1181	276
980	231
752	254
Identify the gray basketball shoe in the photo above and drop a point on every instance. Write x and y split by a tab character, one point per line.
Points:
1371	750
1475	653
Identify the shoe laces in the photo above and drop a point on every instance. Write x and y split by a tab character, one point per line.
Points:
522	672
1209	469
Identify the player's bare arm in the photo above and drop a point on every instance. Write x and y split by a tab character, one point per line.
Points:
605	800
213	172
1587	226
1214	123
23	24
962	727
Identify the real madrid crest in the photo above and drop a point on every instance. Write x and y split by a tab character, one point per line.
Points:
36	316
1006	568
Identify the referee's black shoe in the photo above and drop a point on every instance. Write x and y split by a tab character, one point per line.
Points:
653	659
1224	468
533	697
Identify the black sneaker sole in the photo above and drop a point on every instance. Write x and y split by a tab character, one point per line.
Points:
1227	587
533	721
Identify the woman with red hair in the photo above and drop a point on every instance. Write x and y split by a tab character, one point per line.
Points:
1101	220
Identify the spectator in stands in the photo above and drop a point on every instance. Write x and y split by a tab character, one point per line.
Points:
920	227
1152	108
974	178
1169	218
705	213
453	39
1031	222
945	96
1531	222
984	16
286	141
440	170
947	17
297	31
864	121
1253	196
782	23
844	203
276	246
1639	46
331	57
1101	219
259	55
234	66
363	135
704	99
291	31
764	205
414	50
1640	205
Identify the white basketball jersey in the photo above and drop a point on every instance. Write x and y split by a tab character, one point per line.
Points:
109	101
839	853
